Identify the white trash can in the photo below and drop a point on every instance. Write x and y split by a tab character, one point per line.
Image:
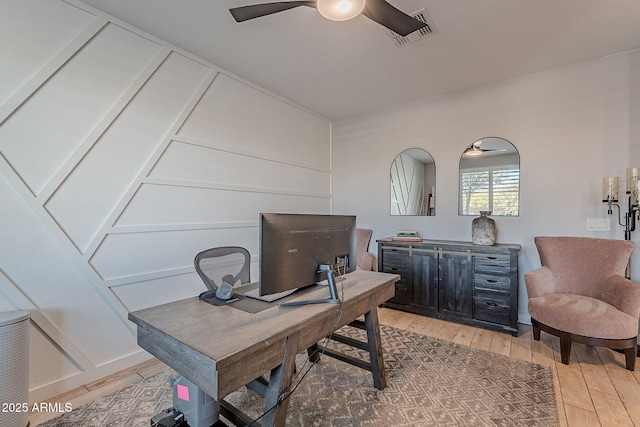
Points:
14	368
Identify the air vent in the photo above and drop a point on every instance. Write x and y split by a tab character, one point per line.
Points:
423	32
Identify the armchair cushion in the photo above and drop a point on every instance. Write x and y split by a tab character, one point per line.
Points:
582	315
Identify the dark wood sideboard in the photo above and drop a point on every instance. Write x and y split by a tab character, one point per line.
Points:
455	281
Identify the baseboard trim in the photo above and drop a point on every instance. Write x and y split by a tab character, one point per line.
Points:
64	385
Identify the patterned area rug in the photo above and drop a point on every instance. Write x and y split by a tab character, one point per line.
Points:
429	383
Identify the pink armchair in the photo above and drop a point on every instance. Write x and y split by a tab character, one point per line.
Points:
580	294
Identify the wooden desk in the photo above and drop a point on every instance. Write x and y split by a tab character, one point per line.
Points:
221	349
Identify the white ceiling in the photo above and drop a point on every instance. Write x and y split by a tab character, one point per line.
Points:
342	69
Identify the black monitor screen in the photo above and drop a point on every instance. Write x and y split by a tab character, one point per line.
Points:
292	246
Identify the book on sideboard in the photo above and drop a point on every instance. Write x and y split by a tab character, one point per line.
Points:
406	236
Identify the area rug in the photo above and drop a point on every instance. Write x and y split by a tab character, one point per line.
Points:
430	382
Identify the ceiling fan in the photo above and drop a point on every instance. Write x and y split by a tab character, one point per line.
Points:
339	10
475	149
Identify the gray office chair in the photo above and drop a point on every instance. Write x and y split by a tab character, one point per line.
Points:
208	264
212	264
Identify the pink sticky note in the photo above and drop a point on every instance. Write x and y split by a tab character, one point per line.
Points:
183	392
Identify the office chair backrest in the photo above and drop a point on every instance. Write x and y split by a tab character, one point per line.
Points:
213	266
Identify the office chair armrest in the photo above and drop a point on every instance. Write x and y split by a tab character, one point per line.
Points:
623	294
539	282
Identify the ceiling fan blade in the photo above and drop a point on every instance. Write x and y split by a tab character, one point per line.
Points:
244	13
385	14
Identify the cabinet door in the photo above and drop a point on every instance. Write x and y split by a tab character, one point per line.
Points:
425	278
456	293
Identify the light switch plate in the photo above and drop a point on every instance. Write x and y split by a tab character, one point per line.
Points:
598	224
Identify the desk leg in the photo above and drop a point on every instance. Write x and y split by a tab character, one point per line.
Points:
314	353
375	346
278	382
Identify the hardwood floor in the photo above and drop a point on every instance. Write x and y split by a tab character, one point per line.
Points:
593	390
89	392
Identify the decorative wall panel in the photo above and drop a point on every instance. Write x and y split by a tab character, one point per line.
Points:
233	114
171	204
198	163
44	30
136	254
148	293
51	283
121	157
101	72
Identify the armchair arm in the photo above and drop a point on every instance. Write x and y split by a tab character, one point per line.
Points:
623	294
539	282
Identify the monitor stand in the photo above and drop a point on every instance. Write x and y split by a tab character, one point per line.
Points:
333	291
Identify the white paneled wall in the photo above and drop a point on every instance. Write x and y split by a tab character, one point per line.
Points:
121	157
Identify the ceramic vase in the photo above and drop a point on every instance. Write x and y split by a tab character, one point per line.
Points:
483	229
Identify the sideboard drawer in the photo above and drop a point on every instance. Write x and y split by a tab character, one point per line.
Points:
396	256
495	298
492	265
400	269
486	281
489	311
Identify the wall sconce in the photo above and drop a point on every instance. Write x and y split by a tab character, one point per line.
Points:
610	196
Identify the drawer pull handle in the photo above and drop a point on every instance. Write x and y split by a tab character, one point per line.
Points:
492	281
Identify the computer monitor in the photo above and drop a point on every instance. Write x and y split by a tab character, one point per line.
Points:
298	250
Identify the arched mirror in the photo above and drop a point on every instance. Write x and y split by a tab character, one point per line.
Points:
413	183
490	178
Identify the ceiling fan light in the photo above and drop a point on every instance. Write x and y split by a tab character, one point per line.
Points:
340	10
473	151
